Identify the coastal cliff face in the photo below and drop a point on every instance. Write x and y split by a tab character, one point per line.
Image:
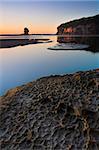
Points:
83	26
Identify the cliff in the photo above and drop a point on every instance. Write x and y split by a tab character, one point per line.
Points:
56	112
83	26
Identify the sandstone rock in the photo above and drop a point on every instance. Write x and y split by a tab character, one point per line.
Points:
61	117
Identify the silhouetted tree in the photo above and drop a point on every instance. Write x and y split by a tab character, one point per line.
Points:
26	31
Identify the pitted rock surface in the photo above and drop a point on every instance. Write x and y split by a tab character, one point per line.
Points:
52	113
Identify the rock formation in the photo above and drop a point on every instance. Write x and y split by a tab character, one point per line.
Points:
26	31
83	26
52	113
93	42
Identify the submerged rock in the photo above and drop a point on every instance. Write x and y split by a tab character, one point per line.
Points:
52	113
69	46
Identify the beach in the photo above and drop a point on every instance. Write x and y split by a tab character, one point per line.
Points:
59	112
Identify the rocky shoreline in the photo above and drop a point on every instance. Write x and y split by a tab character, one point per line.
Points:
8	43
52	113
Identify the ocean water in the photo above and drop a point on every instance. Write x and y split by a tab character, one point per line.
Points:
22	64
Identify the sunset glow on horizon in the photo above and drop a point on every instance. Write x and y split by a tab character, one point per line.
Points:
42	17
20	29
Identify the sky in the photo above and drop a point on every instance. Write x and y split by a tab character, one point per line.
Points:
42	16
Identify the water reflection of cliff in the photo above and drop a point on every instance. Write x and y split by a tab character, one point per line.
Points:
93	42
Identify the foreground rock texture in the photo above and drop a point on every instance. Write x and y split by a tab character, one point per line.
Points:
52	113
83	26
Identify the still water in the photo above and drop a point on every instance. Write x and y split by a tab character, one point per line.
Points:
19	65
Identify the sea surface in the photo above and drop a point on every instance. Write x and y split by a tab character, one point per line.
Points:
22	64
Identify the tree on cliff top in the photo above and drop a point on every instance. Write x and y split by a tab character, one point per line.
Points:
26	31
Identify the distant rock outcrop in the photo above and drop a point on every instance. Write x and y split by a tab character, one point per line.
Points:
83	26
26	31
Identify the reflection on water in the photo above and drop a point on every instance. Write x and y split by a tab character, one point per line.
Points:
19	65
93	42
